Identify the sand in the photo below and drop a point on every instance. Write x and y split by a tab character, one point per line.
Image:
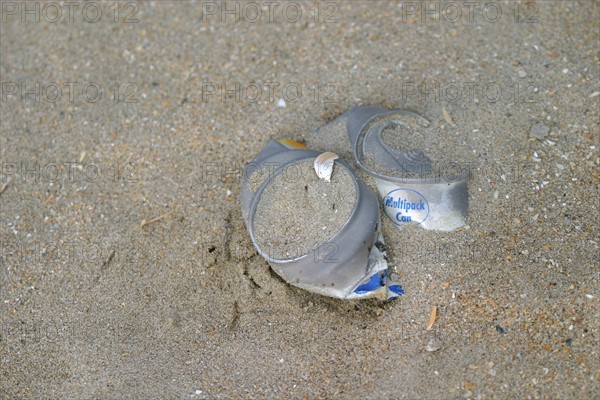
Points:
298	212
93	305
448	153
258	176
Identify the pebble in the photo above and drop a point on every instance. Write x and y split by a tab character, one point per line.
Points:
434	345
522	74
539	131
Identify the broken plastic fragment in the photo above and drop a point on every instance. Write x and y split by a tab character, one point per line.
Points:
411	191
352	263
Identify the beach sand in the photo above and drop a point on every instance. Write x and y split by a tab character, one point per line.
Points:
127	269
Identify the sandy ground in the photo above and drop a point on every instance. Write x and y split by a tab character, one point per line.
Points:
94	303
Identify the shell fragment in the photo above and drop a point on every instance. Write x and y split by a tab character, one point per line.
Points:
324	165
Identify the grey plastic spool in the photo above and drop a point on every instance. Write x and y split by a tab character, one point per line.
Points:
433	202
319	270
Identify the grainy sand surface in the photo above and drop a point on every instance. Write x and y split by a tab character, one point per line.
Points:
126	267
298	211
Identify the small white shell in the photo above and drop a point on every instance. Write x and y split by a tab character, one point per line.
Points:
324	165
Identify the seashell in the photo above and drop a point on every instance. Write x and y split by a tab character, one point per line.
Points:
324	165
434	345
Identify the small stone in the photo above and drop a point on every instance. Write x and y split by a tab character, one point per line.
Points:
522	74
539	131
434	345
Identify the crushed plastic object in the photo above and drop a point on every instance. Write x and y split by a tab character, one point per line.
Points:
347	259
411	191
349	265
